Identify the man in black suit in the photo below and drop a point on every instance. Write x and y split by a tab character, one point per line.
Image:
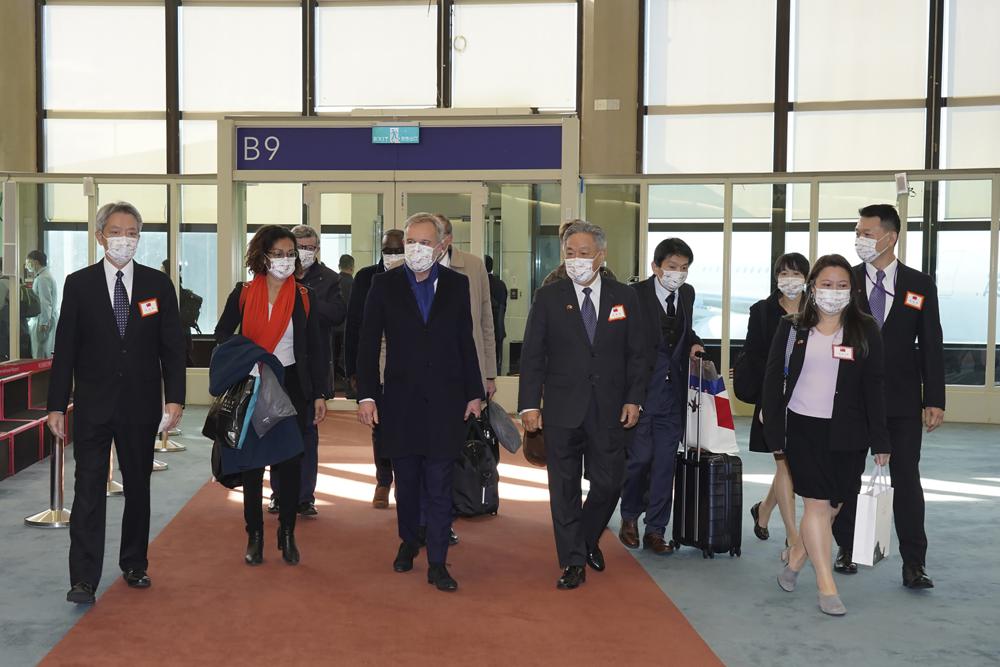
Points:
498	295
392	256
120	348
346	273
432	385
904	302
667	304
583	350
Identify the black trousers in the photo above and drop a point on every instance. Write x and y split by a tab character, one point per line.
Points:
92	454
420	479
578	526
905	435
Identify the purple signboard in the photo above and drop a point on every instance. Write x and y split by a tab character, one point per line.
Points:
440	148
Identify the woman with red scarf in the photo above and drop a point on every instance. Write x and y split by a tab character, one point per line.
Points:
272	310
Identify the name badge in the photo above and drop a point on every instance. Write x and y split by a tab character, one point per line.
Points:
617	313
914	300
149	307
844	352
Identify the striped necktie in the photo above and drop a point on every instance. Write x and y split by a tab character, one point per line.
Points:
589	314
876	300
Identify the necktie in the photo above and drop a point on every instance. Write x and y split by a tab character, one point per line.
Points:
876	300
671	308
589	314
121	305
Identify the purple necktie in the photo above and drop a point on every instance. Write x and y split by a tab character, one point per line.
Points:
876	300
589	314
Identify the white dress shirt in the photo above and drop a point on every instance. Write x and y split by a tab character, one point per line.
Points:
285	350
595	293
662	293
889	283
111	275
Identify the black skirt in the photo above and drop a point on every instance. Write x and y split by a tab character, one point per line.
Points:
817	471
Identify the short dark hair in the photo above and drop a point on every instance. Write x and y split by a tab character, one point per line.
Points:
346	262
39	257
791	261
488	261
672	246
886	213
261	244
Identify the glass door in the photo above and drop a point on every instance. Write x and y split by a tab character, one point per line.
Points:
462	203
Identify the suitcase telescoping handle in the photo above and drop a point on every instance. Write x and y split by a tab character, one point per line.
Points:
700	356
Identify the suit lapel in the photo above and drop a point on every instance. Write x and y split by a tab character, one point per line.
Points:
403	285
898	292
572	309
861	279
441	291
104	298
608	295
138	287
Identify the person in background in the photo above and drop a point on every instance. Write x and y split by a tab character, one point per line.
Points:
330	310
789	274
392	257
498	301
666	305
904	303
190	311
823	406
559	272
43	330
346	267
271	311
119	350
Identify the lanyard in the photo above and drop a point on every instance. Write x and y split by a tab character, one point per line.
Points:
895	277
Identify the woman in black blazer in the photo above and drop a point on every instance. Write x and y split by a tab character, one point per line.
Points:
272	311
790	271
823	405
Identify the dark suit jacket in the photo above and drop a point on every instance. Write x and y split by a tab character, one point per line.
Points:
649	302
858	419
914	348
355	311
431	370
307	341
765	316
346	284
557	359
115	377
324	292
498	295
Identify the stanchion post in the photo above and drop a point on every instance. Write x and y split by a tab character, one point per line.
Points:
165	444
56	516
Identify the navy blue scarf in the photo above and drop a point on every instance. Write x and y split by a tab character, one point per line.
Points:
423	291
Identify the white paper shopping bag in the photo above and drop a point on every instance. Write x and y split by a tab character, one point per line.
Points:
873	522
716	431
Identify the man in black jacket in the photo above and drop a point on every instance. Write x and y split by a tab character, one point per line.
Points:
667	304
392	256
120	349
498	295
904	302
583	349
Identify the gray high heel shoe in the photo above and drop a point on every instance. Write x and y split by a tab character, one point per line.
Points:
832	605
787	579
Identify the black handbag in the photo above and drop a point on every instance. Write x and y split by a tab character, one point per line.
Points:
227	415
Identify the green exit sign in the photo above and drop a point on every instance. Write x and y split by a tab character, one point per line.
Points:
393	134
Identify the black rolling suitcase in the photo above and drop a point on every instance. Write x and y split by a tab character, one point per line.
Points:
708	494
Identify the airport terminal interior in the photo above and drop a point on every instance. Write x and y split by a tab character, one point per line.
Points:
747	128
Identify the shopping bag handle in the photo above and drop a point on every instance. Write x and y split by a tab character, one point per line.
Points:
879	473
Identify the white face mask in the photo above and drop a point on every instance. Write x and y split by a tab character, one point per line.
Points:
865	247
832	301
28	267
281	268
791	286
307	257
392	261
419	257
120	249
672	280
580	269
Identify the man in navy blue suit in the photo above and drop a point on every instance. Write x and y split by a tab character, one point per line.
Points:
432	384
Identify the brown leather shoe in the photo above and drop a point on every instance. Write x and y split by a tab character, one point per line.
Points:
381	499
657	544
629	533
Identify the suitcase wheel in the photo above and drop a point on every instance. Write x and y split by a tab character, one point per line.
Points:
707	553
675	544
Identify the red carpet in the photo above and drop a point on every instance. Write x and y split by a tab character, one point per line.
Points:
345	606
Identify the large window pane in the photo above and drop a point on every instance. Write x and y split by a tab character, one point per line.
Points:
963	290
856	140
615	207
971	135
376	55
105	146
198	261
514	55
199	151
104	58
65	202
693	57
971	48
837	56
690	143
750	268
274	204
241	58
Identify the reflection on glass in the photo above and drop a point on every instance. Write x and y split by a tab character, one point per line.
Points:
963	274
198	261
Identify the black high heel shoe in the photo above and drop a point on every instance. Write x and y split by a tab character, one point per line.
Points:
761	532
255	548
287	547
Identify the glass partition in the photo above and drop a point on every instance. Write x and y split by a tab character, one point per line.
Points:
198	263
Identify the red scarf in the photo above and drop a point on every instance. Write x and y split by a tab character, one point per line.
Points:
258	326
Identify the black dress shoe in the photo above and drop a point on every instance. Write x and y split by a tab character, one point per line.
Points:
915	577
438	575
286	545
573	576
761	532
404	557
136	578
307	509
81	594
255	547
272	507
845	563
452	537
595	559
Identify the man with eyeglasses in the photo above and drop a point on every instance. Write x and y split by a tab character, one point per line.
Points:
326	300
